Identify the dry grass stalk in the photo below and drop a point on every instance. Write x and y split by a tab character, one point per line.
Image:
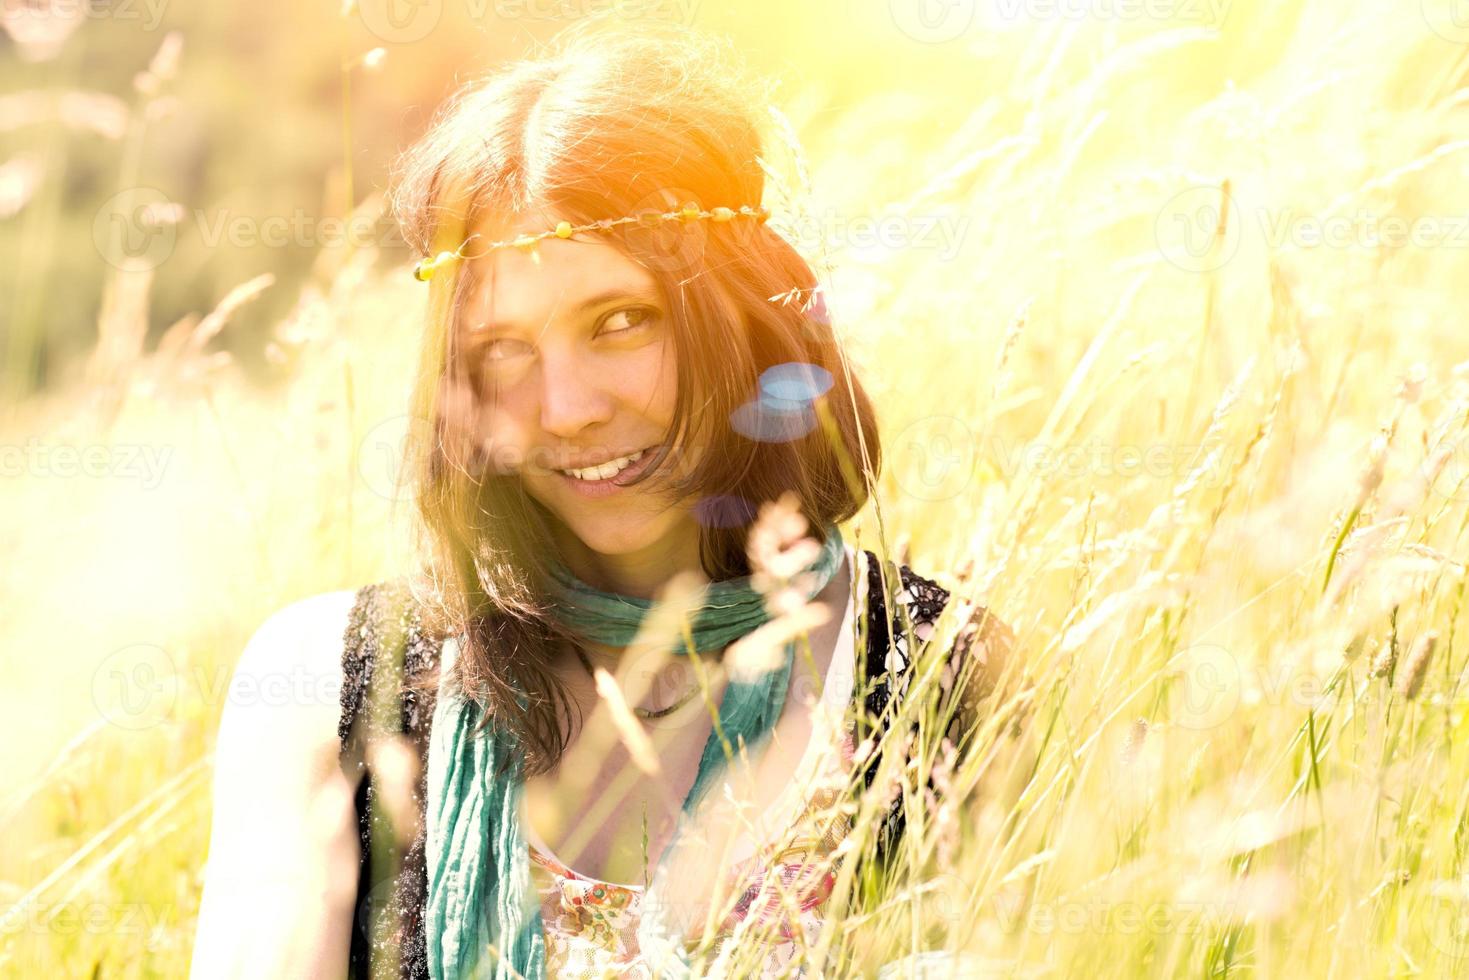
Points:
1385	659
1415	668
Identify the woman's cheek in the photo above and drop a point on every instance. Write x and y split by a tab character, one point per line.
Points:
653	382
459	408
506	440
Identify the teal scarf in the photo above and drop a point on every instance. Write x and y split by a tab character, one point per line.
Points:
479	887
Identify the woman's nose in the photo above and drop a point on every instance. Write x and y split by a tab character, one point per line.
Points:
573	395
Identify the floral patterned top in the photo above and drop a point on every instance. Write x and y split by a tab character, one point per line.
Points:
590	925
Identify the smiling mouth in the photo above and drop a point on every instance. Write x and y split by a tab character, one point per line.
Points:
607	470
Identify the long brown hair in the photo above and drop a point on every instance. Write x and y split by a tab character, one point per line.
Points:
608	123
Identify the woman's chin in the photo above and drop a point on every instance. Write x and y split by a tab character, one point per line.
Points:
616	537
616	528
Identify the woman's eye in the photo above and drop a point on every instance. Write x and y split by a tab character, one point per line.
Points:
504	349
629	319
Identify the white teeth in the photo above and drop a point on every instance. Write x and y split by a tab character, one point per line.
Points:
608	469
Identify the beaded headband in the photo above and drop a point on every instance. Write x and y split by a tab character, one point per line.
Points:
425	269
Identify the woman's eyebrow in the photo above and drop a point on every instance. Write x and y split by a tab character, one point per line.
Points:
611	295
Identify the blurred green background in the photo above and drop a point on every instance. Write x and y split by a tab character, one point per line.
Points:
260	110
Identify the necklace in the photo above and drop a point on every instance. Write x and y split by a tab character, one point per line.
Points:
644	713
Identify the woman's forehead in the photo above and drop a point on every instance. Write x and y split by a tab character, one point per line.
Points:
511	285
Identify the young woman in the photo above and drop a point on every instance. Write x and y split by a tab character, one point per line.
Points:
632	385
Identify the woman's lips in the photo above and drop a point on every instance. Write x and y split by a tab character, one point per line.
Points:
599	489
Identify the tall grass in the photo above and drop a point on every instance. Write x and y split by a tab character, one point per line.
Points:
1208	469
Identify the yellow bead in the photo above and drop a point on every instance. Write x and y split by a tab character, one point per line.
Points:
722	214
525	241
427	267
563	230
690	211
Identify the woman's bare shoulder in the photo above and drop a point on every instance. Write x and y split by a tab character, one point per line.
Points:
302	639
281	876
291	635
287	684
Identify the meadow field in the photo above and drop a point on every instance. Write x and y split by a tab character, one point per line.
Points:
1163	307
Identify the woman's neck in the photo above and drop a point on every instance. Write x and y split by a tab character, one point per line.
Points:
641	573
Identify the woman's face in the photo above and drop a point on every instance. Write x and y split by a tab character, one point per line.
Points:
574	356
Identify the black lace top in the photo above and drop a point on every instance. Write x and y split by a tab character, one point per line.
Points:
392	885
